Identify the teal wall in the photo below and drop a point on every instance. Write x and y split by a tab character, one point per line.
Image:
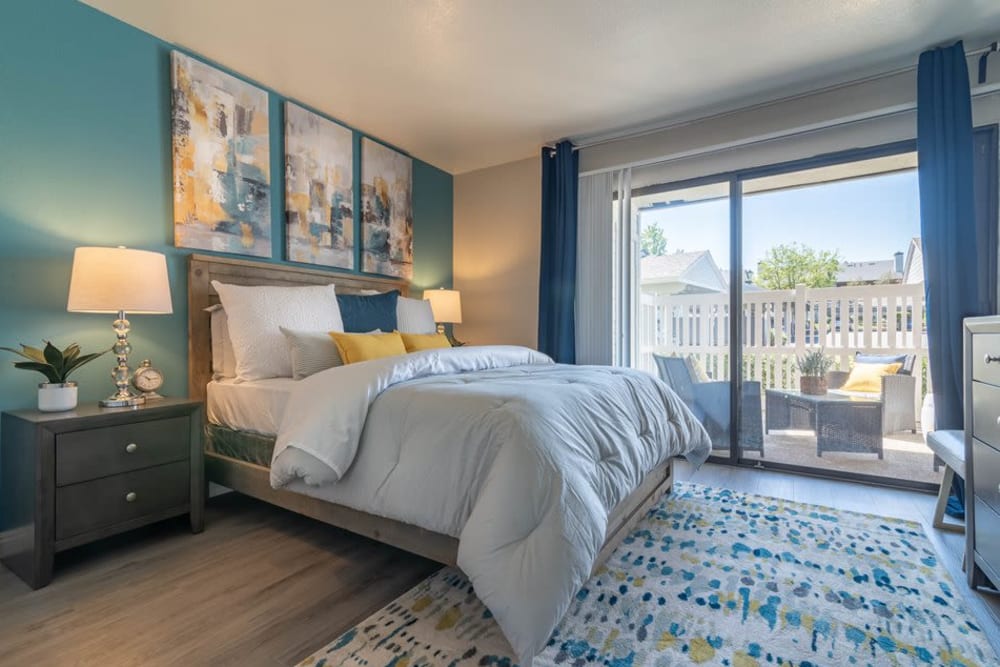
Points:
85	160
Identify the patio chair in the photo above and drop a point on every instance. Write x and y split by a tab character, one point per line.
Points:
899	412
710	401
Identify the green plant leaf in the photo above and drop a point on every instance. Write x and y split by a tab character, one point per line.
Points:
21	353
71	353
80	361
17	352
54	356
33	353
45	369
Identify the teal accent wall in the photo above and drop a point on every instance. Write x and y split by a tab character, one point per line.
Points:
85	160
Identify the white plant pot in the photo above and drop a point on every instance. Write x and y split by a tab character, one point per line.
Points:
56	397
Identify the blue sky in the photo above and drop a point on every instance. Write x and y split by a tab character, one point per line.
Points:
865	219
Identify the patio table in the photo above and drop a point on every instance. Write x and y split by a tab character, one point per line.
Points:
841	423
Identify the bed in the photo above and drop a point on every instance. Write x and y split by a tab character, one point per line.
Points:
244	420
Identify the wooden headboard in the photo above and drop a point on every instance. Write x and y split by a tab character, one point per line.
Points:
203	269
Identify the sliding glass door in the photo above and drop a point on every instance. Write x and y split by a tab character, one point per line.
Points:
683	318
760	291
833	290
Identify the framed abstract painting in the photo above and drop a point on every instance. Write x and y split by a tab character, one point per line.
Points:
387	210
319	189
221	156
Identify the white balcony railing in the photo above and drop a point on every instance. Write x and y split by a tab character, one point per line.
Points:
780	325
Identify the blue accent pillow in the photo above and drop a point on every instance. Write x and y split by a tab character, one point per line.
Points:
362	314
905	359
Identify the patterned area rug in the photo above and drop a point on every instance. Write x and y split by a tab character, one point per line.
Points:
713	577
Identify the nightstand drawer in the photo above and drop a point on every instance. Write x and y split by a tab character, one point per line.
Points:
99	452
112	500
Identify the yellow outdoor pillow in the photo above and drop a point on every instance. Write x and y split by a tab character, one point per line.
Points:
868	377
698	369
355	347
417	342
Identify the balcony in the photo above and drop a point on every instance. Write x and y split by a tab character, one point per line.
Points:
780	325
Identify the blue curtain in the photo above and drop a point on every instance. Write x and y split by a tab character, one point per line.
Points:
954	266
985	164
557	274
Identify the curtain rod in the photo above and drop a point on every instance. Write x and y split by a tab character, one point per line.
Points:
984	53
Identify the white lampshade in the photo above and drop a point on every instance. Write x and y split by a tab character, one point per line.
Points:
107	280
446	304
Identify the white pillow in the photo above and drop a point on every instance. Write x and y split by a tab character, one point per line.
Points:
413	316
223	358
256	314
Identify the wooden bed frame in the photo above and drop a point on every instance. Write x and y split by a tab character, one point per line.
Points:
254	480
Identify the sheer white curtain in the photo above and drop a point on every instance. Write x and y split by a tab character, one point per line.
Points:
595	270
605	269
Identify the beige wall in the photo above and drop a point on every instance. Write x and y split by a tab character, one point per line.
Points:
496	251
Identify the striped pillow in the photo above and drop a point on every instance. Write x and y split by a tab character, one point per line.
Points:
415	316
312	352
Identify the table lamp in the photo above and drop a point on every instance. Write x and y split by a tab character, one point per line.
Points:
446	304
119	280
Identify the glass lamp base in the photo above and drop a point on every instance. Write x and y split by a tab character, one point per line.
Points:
122	402
121	374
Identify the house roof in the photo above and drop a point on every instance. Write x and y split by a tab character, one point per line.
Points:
668	268
860	272
696	271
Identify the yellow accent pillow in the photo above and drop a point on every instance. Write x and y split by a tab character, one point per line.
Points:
698	369
417	342
868	377
354	347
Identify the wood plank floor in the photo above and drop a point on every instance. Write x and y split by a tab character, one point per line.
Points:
262	586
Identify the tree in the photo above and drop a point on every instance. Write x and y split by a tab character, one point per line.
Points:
787	265
653	241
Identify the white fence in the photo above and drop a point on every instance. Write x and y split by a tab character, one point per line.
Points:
780	325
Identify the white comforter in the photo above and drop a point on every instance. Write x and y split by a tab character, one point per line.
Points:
520	458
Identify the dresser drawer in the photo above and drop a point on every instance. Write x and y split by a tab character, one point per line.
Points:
987	473
986	413
988	534
111	500
986	345
99	452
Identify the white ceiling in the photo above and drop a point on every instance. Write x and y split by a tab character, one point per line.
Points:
465	84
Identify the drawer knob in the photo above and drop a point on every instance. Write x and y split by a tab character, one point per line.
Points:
131	447
990	359
130	497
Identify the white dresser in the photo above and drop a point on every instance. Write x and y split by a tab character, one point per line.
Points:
982	450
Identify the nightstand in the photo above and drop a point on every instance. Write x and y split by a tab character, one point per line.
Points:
69	478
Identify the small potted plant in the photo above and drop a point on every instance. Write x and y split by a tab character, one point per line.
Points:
813	367
57	393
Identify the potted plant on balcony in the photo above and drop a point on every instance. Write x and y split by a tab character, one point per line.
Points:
58	393
812	368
